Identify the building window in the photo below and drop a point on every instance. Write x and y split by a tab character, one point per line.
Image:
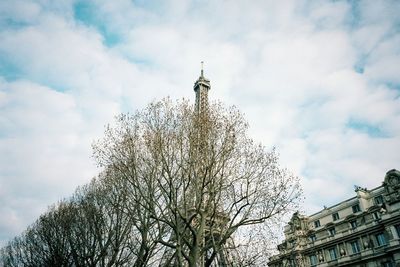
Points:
332	253
398	230
313	260
335	216
378	200
353	224
380	239
376	215
355	247
331	231
313	238
356	208
317	224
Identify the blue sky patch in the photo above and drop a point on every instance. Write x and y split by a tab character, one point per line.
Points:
8	70
12	24
85	12
353	18
359	68
367	128
393	85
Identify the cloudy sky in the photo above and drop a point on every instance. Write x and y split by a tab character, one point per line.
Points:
320	80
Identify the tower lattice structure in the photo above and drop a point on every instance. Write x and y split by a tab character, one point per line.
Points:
216	222
201	88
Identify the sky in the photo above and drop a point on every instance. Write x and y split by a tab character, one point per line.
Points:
319	80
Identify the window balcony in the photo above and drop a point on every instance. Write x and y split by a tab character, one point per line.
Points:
355	256
333	262
344	259
394	242
367	252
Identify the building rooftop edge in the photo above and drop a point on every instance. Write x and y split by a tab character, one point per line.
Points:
343	201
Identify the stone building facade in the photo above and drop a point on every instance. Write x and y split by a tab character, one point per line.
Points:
361	231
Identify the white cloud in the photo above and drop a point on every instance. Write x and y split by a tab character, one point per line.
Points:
301	71
19	11
45	145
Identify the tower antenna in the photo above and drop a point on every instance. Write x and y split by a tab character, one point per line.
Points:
202	66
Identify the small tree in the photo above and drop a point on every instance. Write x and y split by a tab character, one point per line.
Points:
95	227
194	179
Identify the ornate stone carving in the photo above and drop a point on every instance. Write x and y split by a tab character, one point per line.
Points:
342	252
321	257
392	186
298	224
393	178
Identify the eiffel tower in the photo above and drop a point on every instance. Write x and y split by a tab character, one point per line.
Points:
217	222
201	88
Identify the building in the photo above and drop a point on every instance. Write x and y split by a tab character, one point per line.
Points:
361	231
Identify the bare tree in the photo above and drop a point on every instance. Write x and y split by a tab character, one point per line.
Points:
196	178
92	228
180	186
43	244
135	232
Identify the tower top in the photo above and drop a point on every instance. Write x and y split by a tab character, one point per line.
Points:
201	88
202	81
